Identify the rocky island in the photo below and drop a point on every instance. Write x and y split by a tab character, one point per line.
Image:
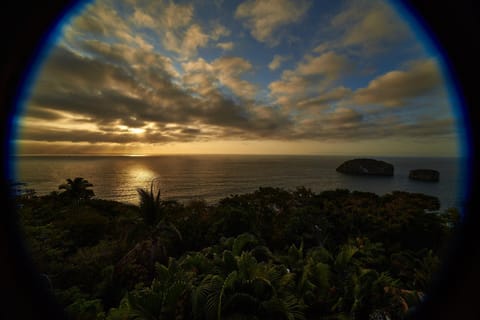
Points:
366	167
427	175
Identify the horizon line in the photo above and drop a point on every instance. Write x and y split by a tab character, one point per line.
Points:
227	154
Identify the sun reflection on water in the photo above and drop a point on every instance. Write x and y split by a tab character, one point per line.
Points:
141	176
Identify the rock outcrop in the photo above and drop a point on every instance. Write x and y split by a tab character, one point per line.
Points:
366	167
428	175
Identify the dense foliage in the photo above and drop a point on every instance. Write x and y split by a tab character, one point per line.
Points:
270	254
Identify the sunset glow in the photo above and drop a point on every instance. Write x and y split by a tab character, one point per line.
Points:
240	77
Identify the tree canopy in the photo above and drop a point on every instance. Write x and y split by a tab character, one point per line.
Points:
269	254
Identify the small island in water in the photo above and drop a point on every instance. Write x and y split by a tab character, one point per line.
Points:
269	254
427	175
366	167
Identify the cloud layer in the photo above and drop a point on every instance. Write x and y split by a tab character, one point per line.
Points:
265	18
157	72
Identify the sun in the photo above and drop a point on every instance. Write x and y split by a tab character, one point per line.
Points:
132	130
136	130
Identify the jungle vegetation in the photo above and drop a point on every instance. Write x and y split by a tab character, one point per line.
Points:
269	254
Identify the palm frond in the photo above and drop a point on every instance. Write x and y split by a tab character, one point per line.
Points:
174	293
242	303
228	283
246	265
344	256
290	307
241	241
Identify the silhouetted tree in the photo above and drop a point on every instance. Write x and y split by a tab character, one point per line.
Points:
153	213
77	189
151	209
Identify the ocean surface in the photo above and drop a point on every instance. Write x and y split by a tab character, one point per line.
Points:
212	177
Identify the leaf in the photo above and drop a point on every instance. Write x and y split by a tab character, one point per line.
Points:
229	261
246	265
162	271
241	241
227	284
345	256
174	293
290	307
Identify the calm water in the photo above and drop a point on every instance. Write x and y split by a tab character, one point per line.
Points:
214	177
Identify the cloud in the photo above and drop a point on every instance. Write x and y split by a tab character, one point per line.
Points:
219	31
205	77
398	87
366	28
225	45
143	19
425	129
132	77
102	90
162	15
277	61
341	116
98	100
152	134
265	18
101	21
194	38
171	23
133	58
176	15
311	76
186	44
97	19
325	99
348	125
329	64
44	114
178	31
230	70
371	25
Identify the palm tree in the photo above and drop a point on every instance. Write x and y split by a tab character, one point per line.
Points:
165	298
243	288
77	189
152	211
151	208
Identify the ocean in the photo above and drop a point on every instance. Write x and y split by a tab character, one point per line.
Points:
212	177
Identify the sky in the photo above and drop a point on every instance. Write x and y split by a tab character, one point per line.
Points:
151	77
